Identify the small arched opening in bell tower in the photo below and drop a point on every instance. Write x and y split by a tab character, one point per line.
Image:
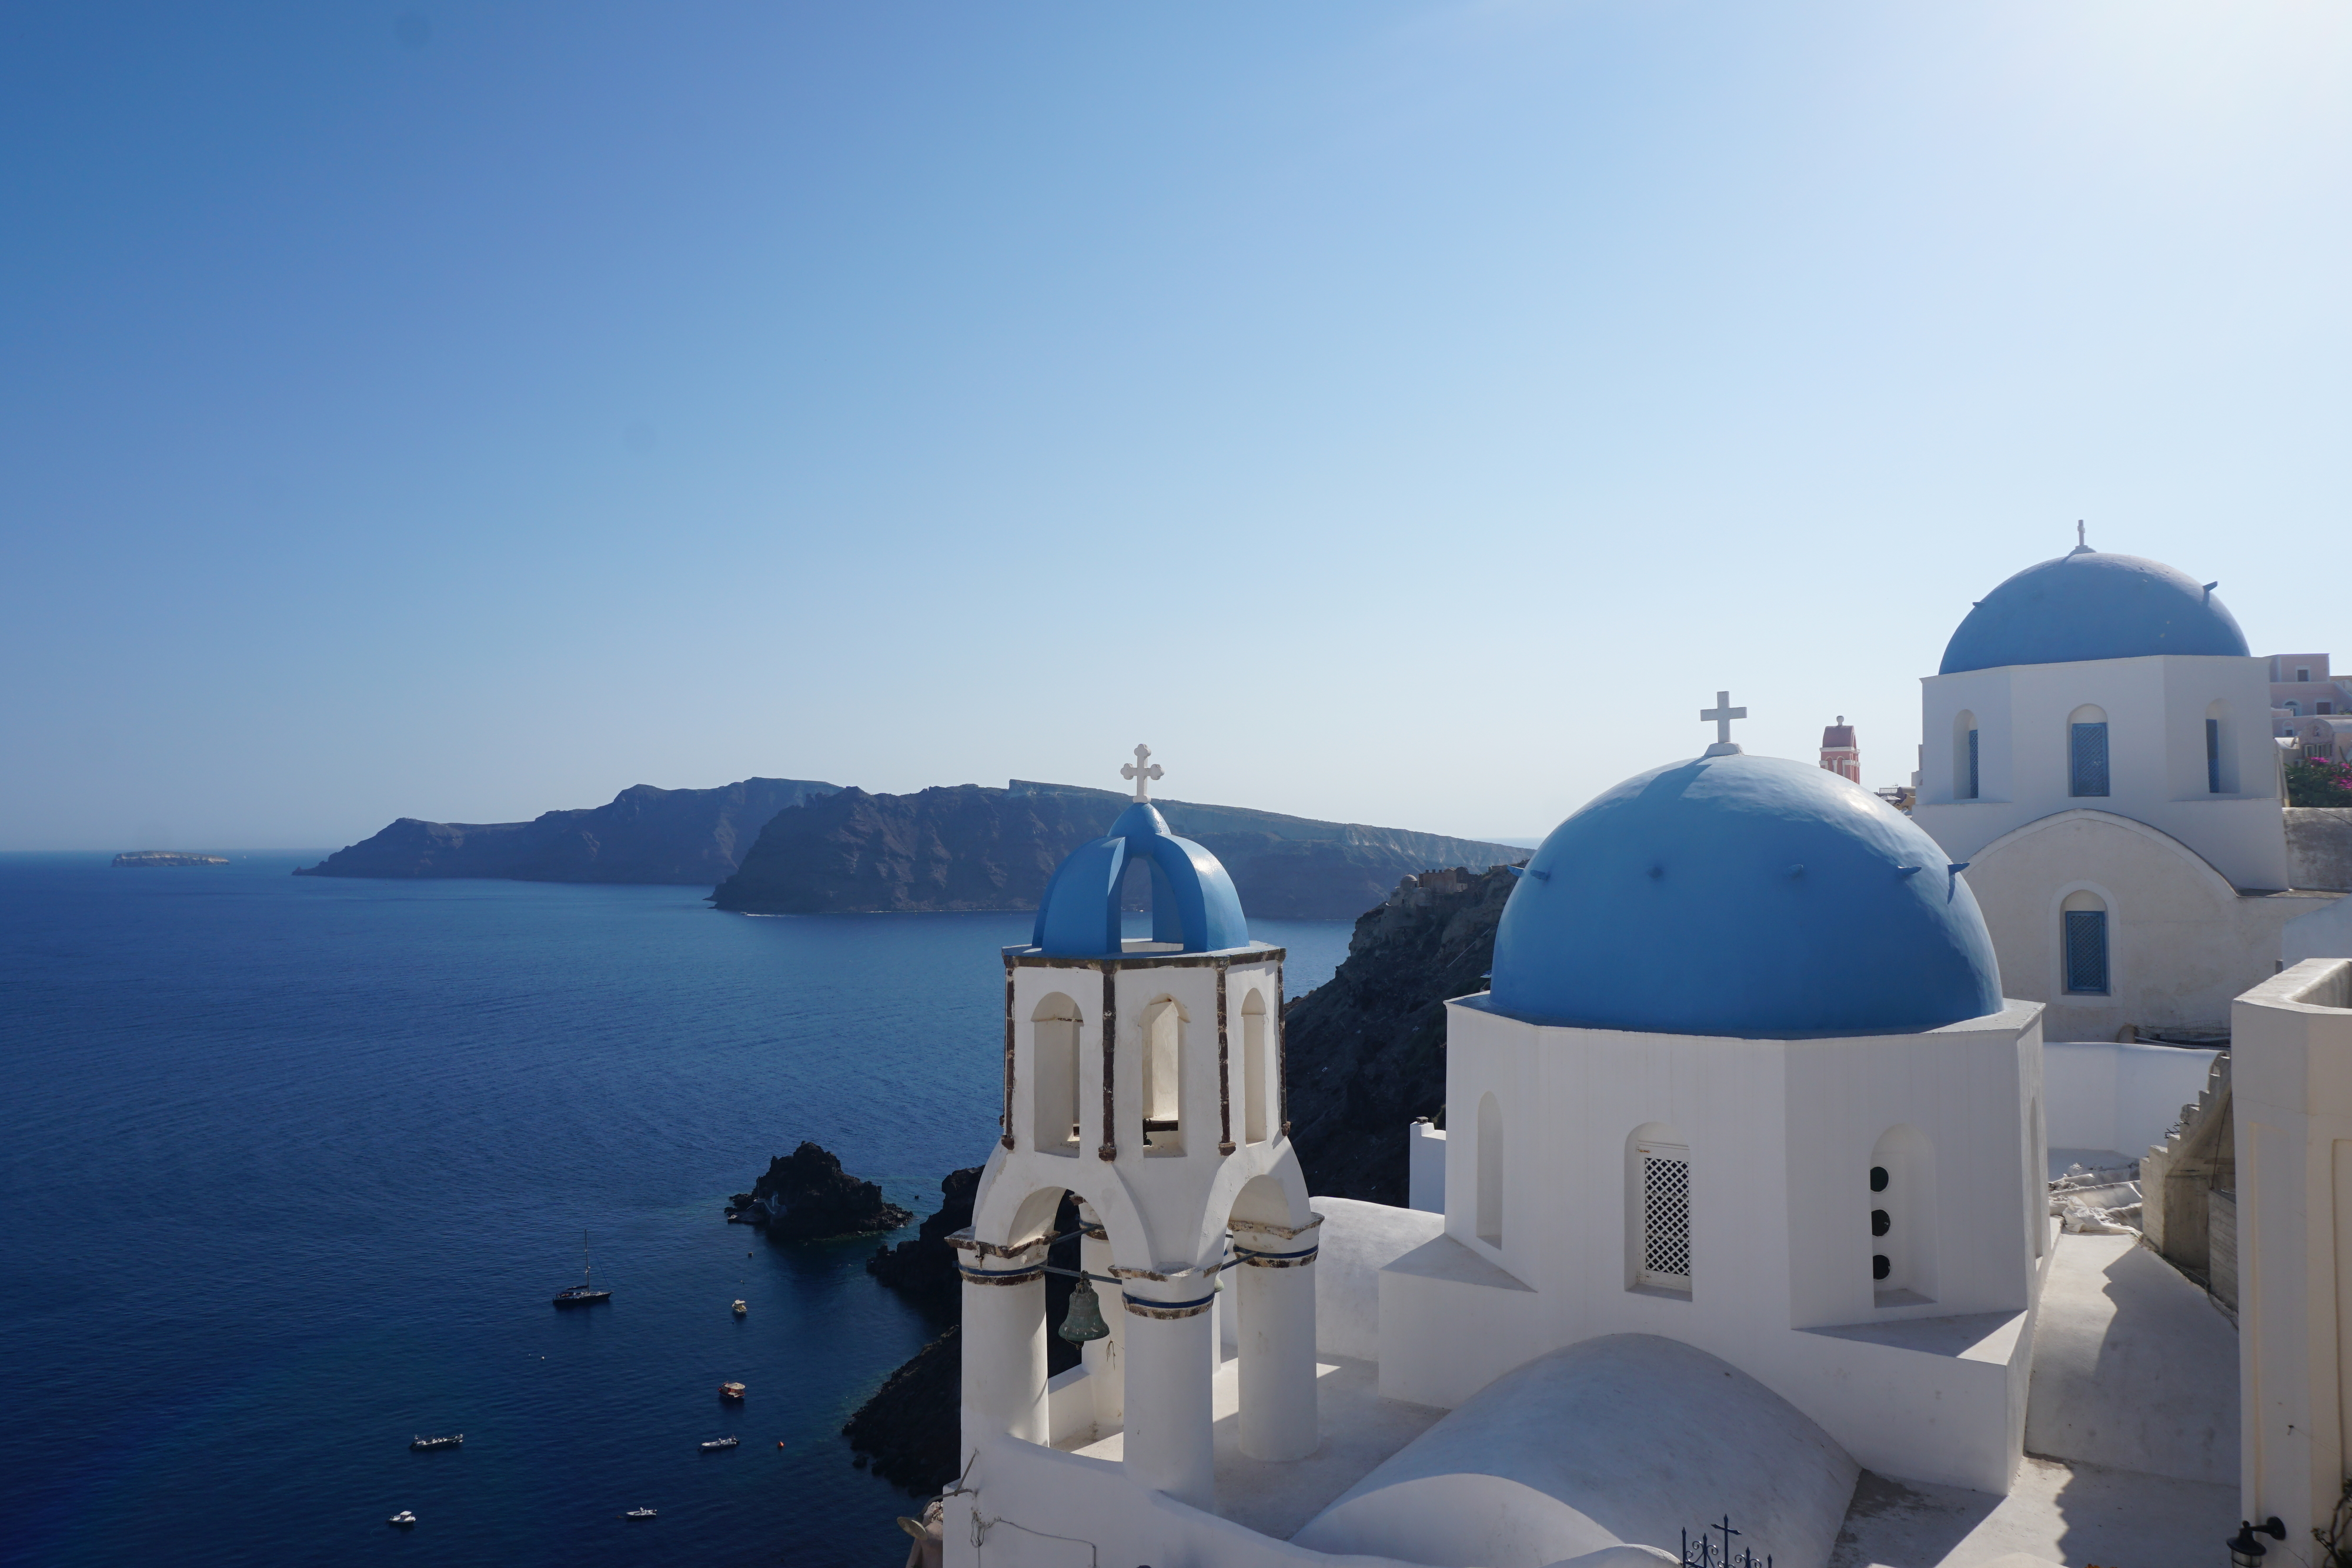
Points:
1490	1171
1254	1076
1054	1072
1966	771
1162	1027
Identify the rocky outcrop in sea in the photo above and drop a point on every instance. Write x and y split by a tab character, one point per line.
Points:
807	1196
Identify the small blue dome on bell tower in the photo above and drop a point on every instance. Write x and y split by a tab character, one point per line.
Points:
1193	903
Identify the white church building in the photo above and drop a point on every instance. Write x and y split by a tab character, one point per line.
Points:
2099	750
1740	1234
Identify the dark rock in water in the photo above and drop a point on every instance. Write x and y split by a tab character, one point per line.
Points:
166	857
807	1196
912	1427
922	1267
1365	1049
643	835
973	848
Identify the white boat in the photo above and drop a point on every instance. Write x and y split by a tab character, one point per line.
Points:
638	1513
716	1444
404	1518
741	1306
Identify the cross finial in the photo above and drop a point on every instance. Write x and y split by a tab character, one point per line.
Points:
1720	715
2080	542
1142	770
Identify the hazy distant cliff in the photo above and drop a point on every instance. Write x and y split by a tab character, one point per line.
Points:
645	835
971	848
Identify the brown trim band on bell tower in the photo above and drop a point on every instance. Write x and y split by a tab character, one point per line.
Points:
1225	1091
1007	1139
1109	1149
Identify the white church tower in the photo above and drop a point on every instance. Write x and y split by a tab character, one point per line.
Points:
1144	1077
2097	750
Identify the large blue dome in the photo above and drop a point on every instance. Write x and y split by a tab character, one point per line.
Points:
1193	903
2090	605
1750	896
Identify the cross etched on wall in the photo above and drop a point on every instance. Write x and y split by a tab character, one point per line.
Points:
1142	770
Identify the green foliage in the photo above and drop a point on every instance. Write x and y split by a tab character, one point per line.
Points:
2314	783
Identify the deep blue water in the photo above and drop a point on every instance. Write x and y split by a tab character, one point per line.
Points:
290	1167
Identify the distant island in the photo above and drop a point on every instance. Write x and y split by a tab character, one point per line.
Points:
969	847
643	835
794	846
166	857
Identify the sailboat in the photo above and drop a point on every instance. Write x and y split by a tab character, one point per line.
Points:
586	1294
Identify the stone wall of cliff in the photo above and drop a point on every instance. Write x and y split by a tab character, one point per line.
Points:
969	847
643	835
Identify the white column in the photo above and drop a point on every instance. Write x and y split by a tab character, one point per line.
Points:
1280	1418
1104	1359
1169	1411
1004	1348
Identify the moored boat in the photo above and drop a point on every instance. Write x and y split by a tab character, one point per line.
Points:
741	1306
584	1294
730	1391
402	1519
716	1444
421	1445
638	1513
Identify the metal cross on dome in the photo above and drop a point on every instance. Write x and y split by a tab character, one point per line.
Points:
1142	770
1720	715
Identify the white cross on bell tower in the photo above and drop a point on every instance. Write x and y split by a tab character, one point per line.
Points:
1720	715
1142	770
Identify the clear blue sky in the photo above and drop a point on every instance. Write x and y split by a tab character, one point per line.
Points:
1402	413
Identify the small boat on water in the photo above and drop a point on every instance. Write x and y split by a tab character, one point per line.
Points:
403	1519
424	1445
638	1513
740	1307
730	1391
586	1294
716	1445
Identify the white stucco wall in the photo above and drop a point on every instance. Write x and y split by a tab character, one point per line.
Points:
1357	1240
2181	942
2291	1072
2156	709
1782	1135
2323	931
2102	1095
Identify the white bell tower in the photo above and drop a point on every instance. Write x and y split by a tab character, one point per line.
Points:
1145	1077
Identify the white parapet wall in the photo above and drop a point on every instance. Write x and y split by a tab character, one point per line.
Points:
2102	1095
2291	1069
1426	1186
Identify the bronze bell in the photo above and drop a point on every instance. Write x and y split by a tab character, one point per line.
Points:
1085	1320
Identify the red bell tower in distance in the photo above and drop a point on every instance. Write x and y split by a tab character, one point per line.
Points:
1839	754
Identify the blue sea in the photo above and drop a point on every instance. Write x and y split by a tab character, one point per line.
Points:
290	1167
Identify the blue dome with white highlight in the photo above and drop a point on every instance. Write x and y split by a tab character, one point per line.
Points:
1193	903
1748	897
2090	605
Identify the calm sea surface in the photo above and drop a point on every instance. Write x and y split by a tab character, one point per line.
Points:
290	1167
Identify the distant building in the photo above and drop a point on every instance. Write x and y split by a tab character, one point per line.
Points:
1839	754
2309	707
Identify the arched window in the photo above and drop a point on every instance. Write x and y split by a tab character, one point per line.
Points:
1163	1078
1659	1207
2083	956
2220	751
1965	775
1054	1074
1253	1079
1490	1171
1902	1218
2087	751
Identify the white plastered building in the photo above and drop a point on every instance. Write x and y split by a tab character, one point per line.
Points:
2097	750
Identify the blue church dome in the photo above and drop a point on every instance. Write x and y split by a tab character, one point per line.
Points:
1750	896
1192	899
2090	605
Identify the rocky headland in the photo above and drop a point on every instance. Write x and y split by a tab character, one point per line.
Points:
643	835
806	1195
970	847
